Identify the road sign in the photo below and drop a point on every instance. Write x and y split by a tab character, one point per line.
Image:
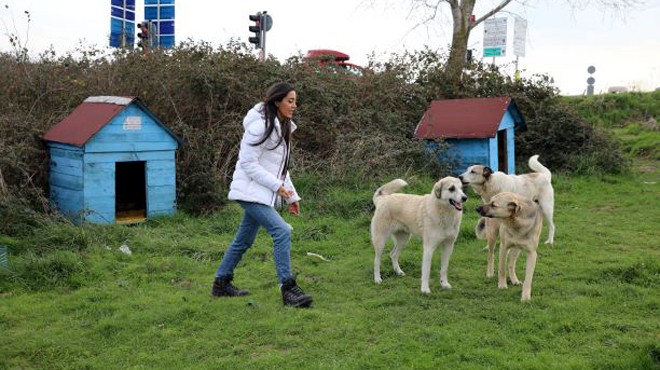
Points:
161	15
493	52
122	23
495	32
519	34
267	21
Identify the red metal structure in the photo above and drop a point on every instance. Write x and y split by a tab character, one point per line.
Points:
324	57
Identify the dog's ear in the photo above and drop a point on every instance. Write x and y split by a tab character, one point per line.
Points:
487	172
514	208
438	191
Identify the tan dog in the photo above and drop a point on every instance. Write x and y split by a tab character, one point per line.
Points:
435	217
520	223
535	185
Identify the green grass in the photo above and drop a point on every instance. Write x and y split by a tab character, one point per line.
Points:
639	141
71	300
617	110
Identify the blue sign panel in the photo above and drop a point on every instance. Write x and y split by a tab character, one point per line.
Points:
122	23
161	15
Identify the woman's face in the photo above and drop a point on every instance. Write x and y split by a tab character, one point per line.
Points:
286	106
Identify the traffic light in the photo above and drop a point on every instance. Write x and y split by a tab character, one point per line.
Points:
257	39
143	35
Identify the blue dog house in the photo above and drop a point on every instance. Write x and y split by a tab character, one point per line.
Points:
112	160
478	131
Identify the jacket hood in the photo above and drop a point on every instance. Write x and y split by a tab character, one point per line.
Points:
256	115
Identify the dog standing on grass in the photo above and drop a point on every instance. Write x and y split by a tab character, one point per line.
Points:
520	223
435	217
535	185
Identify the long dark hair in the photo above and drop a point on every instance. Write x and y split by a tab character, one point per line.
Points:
275	93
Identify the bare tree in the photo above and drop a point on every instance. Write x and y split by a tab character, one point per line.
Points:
461	10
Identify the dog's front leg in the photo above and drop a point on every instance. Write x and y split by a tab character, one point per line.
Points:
491	257
446	255
429	248
529	274
501	271
513	258
492	229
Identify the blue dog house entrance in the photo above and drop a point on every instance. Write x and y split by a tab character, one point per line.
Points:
130	191
112	160
477	130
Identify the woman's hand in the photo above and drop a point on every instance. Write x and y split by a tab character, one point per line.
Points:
294	208
285	194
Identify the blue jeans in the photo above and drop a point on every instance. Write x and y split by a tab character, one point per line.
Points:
259	215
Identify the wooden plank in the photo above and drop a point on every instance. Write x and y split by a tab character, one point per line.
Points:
66	180
129	147
65	151
100	203
99	179
507	121
129	156
161	173
64	164
99	209
161	199
66	200
131	137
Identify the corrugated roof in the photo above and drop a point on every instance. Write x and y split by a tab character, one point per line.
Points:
474	118
87	119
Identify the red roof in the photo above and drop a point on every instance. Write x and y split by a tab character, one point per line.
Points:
87	119
474	118
317	53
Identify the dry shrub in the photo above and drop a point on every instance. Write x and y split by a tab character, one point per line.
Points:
349	128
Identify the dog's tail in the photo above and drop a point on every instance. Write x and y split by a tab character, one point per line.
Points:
389	188
536	166
480	229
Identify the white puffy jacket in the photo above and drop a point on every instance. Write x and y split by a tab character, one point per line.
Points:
257	175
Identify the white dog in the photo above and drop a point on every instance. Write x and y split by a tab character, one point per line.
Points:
535	185
435	217
520	223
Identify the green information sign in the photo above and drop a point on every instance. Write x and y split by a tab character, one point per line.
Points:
492	52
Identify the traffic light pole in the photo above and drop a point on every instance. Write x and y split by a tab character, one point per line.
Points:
262	24
262	52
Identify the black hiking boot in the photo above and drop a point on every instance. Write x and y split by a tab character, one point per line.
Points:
222	287
293	296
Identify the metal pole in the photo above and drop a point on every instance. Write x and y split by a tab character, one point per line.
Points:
517	72
262	53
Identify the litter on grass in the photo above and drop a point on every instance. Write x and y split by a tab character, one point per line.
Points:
125	249
318	256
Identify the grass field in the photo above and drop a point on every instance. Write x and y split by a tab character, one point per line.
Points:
72	300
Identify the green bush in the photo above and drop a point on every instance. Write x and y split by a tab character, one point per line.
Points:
349	128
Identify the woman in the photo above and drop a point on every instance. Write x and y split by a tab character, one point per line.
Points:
260	183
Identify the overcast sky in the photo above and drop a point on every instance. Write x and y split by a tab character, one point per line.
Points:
560	41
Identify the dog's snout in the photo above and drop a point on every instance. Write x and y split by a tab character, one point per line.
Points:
480	210
464	198
460	177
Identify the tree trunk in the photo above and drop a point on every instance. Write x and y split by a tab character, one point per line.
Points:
460	12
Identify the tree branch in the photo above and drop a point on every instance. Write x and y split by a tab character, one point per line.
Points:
491	13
